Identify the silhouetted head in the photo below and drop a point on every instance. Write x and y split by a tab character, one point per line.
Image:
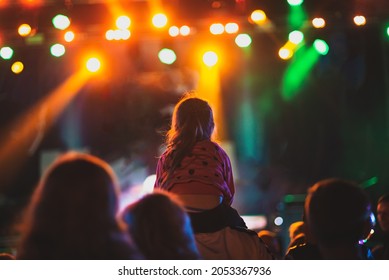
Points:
73	211
383	213
337	212
160	227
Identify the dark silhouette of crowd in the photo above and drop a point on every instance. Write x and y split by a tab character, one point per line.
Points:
74	213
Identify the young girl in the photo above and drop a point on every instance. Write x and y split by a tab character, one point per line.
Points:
193	166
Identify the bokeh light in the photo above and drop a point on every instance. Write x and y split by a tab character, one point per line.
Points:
93	64
232	27
210	58
184	30
285	53
24	30
167	56
318	23
123	22
296	37
359	20
216	28
321	46
6	52
243	40
159	20
174	31
258	16
61	22
57	50
295	2
17	67
69	36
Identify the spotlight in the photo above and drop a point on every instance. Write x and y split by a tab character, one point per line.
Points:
296	37
6	53
210	58
61	22
216	28
57	50
159	20
17	67
321	46
318	22
243	40
359	20
167	56
93	64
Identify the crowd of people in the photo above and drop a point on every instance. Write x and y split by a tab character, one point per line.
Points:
74	212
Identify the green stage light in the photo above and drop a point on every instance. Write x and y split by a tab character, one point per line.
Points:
321	46
295	2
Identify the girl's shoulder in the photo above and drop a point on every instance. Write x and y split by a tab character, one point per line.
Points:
210	146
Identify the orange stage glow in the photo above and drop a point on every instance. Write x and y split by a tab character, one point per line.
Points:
23	136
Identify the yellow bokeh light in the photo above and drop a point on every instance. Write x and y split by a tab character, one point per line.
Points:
185	30
258	16
359	20
24	30
93	64
69	36
232	27
318	22
17	67
210	58
159	20
216	28
123	22
174	31
285	53
110	35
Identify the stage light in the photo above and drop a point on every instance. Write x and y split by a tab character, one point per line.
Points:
159	20
278	221
184	30
295	2
210	58
285	53
387	30
17	67
321	46
125	34
3	3
216	28
318	23
110	35
359	20
93	64
24	30
243	40
232	27
61	22
6	53
167	56
57	50
258	16
174	31
296	37
69	36
123	22
30	3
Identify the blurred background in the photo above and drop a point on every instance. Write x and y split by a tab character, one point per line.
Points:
300	91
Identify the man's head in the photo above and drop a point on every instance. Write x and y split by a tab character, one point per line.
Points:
337	212
383	213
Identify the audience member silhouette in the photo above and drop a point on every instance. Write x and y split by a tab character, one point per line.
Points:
337	217
272	241
73	214
381	251
7	256
296	234
161	228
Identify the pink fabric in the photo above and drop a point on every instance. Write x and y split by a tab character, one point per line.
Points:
207	170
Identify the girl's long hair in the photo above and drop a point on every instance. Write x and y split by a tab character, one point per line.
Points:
192	121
